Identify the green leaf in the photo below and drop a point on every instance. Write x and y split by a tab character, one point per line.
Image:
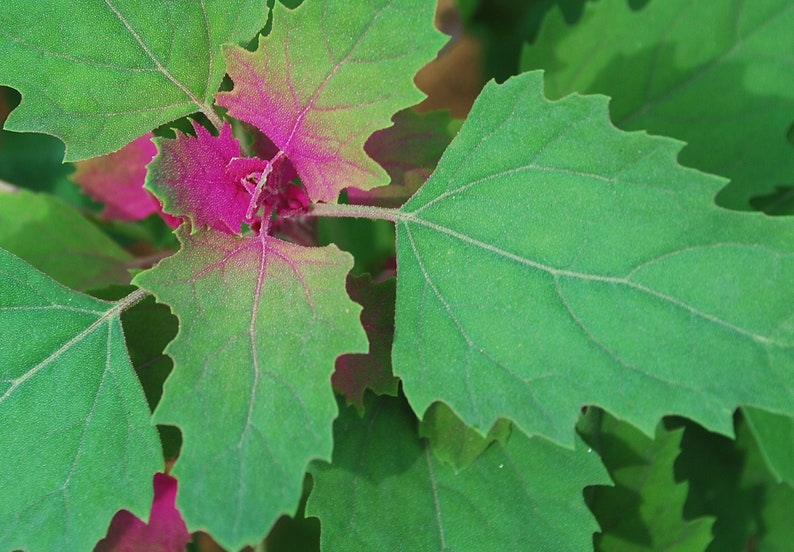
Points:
77	440
775	437
644	510
570	263
148	328
730	480
386	491
452	441
261	322
99	74
56	239
715	74
329	75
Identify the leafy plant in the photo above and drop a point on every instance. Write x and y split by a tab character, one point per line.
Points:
573	322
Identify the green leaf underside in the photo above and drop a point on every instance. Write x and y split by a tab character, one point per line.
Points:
146	64
329	75
76	435
32	227
644	510
261	322
775	437
386	491
716	75
623	286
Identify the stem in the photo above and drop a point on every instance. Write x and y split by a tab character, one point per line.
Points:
131	300
216	121
353	211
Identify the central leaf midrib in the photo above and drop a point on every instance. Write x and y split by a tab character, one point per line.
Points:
406	218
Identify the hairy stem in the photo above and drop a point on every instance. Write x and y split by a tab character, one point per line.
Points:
131	300
353	211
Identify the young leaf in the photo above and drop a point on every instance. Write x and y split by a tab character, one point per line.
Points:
355	373
714	74
261	322
571	263
165	532
644	510
328	75
99	74
189	176
385	490
775	437
56	239
76	435
116	180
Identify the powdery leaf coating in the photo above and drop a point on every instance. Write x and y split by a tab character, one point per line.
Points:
355	373
386	490
319	99
165	532
716	75
261	323
189	175
624	285
82	439
116	180
99	74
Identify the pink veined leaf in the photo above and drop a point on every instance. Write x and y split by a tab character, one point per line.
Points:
319	100
165	532
116	180
206	179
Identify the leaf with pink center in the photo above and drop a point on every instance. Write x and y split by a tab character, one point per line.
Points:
189	175
261	324
116	180
165	532
320	99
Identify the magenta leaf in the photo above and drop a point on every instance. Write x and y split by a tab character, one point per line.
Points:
116	180
189	176
357	372
206	180
409	150
165	532
327	76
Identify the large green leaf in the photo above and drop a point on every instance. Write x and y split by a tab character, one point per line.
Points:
76	439
59	241
261	322
386	490
99	74
553	261
717	75
644	511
